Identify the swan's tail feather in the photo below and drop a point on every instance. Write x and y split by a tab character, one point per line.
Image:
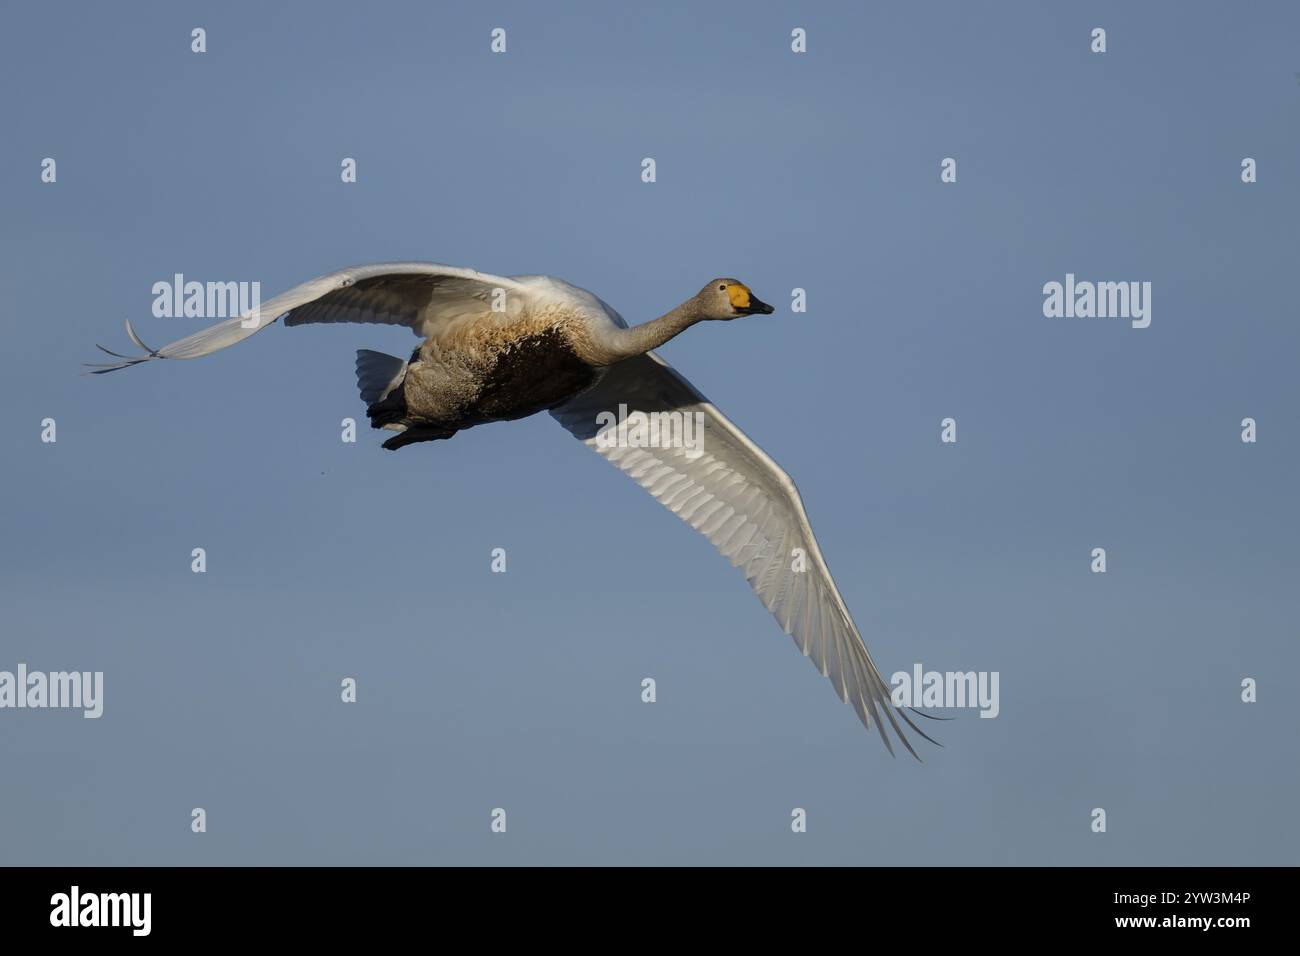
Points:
378	375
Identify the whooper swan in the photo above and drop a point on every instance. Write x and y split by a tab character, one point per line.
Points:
497	349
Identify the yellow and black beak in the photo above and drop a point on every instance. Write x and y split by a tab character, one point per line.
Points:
745	302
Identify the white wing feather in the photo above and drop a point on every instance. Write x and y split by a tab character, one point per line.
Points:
739	499
420	295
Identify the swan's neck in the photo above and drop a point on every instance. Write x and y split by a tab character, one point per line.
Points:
614	344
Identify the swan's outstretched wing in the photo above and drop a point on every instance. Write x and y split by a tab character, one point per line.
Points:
421	295
738	498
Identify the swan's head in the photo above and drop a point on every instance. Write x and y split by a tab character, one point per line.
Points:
728	299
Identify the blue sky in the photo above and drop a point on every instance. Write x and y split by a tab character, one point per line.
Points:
522	690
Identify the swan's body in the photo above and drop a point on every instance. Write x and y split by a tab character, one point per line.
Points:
497	349
534	354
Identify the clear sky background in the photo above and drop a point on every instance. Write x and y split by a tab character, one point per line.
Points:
522	690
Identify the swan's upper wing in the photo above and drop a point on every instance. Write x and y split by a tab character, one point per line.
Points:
421	295
738	498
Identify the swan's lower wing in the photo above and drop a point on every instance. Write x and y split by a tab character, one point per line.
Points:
729	490
424	296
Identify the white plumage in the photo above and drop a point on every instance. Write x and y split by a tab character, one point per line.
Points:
497	348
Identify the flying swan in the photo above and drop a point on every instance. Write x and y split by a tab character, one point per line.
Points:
498	349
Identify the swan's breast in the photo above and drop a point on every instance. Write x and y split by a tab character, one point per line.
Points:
534	369
500	370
